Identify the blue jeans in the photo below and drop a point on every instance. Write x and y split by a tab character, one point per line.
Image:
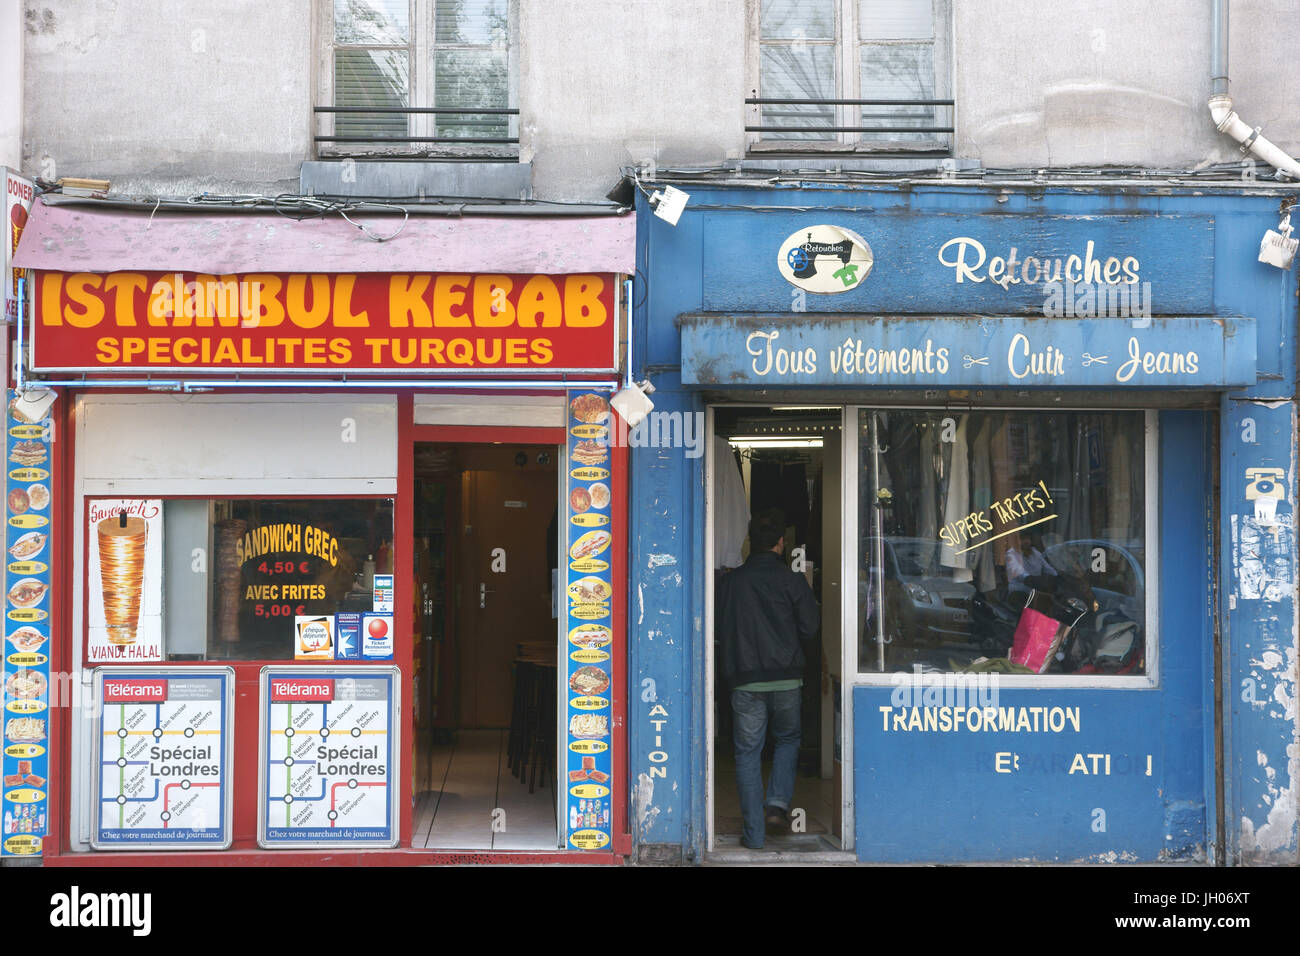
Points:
755	712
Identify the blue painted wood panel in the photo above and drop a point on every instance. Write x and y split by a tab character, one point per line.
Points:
1104	775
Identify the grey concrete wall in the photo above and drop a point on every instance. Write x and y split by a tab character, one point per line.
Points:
218	96
609	84
1117	82
11	85
175	98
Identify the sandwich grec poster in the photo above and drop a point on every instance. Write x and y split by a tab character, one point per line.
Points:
124	580
26	716
588	773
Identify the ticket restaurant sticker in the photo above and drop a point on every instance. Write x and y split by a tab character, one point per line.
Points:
162	773
29	506
328	770
589	593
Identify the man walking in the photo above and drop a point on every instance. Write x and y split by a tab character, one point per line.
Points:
764	612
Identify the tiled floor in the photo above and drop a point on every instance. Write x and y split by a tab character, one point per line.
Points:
471	781
813	795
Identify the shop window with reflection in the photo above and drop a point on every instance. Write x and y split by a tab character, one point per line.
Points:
280	574
1004	541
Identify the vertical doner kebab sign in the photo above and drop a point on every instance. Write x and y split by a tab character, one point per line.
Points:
589	544
18	203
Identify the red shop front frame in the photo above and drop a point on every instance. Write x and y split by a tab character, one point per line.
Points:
244	850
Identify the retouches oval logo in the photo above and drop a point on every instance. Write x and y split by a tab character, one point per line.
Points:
825	259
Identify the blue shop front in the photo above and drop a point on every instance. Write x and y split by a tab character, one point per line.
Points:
1034	451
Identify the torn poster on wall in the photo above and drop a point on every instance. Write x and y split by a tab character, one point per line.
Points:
1262	563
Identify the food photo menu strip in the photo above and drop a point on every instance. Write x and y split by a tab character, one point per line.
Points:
28	507
588	775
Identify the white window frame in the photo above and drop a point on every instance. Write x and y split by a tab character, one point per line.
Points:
421	49
847	80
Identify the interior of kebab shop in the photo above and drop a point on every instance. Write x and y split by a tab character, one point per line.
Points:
362	595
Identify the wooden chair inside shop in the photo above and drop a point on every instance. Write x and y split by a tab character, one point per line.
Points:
530	749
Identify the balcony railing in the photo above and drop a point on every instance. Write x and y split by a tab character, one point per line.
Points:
816	118
407	111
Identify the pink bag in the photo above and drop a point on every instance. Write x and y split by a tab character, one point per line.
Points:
1037	639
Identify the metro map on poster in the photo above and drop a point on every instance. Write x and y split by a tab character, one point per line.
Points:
328	769
163	759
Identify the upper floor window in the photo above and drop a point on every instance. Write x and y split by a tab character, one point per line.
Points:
417	76
851	75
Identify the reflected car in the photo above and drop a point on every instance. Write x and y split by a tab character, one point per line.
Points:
923	604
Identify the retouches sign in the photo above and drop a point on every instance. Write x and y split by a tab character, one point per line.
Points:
970	261
830	259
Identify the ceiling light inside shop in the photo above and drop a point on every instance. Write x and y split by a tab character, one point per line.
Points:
758	441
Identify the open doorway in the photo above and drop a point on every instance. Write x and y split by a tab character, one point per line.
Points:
485	662
786	459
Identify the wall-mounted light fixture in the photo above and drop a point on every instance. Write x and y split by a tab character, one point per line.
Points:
1277	248
668	203
760	442
633	403
34	404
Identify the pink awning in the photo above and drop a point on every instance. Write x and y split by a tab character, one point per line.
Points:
84	238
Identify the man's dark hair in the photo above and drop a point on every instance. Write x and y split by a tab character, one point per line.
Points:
765	529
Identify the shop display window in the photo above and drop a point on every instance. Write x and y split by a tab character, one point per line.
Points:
1003	541
235	579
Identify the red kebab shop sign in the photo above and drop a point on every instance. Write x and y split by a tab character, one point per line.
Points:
439	323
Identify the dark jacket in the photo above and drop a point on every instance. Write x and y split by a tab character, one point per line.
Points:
764	611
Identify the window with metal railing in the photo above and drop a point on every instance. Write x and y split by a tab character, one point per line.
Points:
850	75
417	77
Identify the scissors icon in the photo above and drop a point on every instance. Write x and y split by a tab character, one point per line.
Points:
1094	359
968	360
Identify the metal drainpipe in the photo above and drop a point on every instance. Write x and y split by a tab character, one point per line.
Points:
1225	118
1219	48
